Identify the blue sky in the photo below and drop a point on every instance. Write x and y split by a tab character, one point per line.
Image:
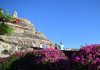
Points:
75	22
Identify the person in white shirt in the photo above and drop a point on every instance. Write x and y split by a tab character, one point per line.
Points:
40	45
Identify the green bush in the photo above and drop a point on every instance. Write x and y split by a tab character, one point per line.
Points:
5	65
4	17
5	29
36	60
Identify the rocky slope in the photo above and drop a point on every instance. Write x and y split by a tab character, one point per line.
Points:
24	35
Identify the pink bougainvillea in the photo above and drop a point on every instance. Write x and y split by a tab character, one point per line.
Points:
88	56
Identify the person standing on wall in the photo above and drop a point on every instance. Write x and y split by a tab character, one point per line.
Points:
61	46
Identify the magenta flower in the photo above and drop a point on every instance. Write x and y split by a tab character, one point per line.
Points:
88	55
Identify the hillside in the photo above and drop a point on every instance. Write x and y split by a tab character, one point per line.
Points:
24	35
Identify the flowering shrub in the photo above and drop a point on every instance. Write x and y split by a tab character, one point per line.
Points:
38	59
19	54
88	58
50	58
49	55
46	55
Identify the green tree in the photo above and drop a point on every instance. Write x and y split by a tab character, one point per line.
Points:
4	28
4	17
